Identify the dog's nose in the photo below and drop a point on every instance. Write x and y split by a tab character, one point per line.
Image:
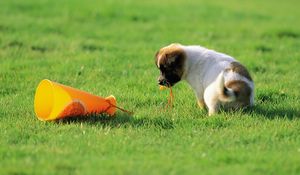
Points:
162	81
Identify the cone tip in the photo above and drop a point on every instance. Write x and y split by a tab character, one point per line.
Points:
112	100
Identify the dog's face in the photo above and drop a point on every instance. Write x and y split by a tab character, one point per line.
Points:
170	61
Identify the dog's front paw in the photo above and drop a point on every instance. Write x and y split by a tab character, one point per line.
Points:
201	104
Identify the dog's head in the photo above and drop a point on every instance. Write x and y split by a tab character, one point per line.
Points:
170	60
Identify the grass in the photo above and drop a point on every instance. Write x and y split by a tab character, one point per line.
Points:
107	47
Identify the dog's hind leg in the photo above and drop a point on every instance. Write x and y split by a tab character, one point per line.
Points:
211	100
213	107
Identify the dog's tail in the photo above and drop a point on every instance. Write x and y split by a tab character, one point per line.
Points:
225	94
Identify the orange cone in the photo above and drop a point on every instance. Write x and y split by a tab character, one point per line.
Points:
54	101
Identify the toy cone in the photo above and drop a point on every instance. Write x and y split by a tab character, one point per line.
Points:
54	101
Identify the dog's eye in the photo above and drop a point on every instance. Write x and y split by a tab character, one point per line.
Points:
173	65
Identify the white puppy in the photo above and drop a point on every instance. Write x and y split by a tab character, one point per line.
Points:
217	78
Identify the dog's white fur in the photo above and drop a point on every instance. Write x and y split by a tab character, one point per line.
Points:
205	72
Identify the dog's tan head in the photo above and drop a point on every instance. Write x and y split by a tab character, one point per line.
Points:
170	60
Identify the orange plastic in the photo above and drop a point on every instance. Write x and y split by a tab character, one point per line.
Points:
54	101
162	87
171	96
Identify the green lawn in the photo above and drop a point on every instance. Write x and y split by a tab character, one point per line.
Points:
107	47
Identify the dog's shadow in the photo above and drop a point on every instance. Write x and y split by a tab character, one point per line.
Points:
120	120
273	113
269	105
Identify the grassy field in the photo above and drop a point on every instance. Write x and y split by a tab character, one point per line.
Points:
107	47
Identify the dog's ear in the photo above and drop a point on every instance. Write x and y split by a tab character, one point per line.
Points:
174	57
156	58
171	58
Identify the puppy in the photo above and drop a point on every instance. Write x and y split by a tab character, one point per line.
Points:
217	78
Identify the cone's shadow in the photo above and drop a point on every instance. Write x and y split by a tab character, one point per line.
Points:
120	120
